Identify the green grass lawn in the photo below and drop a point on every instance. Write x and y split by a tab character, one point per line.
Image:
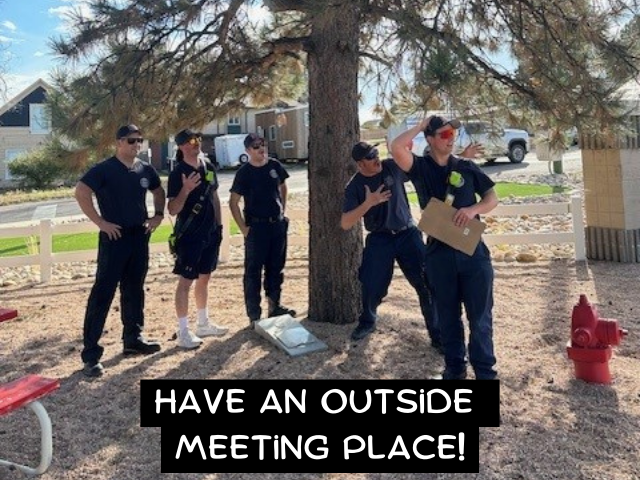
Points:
506	189
11	247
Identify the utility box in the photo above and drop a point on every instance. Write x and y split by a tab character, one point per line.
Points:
230	151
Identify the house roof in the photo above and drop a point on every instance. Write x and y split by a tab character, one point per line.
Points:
15	100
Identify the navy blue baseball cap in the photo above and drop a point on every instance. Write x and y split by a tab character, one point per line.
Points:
126	130
251	139
436	122
361	149
183	136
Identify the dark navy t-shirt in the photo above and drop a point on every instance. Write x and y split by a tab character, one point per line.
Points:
392	215
431	180
260	187
121	191
205	220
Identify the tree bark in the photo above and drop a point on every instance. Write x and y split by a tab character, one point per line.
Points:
334	255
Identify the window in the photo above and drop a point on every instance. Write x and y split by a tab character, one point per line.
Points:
9	156
233	125
272	133
287	144
39	119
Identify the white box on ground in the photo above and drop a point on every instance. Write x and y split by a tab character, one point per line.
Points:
289	334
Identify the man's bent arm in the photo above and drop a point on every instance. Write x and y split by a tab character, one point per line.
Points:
159	198
401	146
234	199
84	197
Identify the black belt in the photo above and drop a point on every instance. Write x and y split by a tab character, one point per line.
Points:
133	229
275	219
395	232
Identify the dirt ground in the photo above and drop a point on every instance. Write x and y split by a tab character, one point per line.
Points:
553	426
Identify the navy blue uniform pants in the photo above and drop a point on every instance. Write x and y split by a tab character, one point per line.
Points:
124	261
459	279
376	272
265	248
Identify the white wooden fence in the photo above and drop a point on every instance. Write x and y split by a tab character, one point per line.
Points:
46	229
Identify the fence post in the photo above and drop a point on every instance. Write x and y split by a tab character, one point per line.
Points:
225	246
578	227
46	249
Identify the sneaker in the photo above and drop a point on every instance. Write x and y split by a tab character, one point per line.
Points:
141	347
211	330
91	369
187	340
362	330
281	310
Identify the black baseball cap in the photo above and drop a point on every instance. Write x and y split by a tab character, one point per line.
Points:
361	150
183	136
126	130
251	139
436	122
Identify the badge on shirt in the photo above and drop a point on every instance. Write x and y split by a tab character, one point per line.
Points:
273	173
144	183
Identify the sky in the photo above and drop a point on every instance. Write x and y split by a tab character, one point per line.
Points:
26	27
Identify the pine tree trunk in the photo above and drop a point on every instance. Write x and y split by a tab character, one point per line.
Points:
334	255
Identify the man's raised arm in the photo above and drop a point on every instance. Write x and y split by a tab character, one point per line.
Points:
401	146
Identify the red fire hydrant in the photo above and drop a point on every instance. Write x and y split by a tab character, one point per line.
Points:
591	341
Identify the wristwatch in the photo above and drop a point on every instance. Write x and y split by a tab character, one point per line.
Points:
159	214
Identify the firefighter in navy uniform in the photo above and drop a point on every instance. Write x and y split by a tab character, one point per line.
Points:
193	196
456	278
120	184
377	194
261	183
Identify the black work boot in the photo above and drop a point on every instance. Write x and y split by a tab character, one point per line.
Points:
276	309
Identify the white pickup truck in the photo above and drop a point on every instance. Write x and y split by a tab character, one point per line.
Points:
498	142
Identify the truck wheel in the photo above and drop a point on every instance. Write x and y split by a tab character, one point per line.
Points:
244	158
517	153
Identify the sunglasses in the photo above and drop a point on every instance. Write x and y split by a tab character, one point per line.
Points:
194	141
372	155
131	141
447	134
257	146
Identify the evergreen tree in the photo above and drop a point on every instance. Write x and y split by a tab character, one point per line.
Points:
165	64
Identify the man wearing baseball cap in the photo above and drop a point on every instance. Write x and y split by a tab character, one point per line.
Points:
457	279
261	183
193	197
120	184
376	194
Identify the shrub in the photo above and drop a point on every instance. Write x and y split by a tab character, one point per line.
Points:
44	167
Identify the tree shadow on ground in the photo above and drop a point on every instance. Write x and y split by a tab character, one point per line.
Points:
550	421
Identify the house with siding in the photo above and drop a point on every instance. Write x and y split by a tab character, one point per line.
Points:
24	125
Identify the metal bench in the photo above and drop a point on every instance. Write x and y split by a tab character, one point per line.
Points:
25	392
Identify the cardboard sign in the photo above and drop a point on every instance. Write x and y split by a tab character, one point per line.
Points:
437	222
